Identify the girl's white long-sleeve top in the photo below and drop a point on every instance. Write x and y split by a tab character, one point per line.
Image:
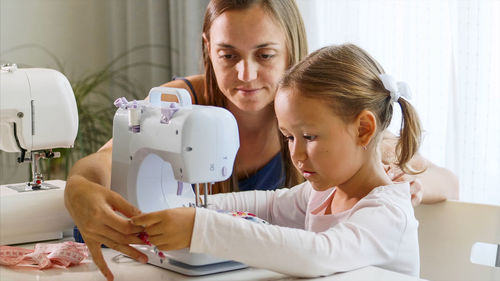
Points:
380	230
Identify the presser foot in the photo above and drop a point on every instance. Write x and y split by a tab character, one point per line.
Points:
28	187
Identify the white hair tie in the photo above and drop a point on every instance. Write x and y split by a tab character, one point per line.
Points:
397	89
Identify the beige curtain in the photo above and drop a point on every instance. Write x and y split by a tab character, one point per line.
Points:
84	35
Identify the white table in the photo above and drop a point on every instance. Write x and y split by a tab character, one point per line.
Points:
125	269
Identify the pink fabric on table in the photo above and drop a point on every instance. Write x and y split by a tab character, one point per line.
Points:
44	255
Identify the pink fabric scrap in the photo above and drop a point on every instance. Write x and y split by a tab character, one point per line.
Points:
44	255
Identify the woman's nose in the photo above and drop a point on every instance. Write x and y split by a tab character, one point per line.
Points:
247	70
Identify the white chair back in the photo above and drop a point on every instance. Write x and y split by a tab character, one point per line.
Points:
447	233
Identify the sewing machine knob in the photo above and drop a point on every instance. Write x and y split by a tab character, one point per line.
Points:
224	171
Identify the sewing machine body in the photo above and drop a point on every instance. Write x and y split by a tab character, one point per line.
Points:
42	106
37	113
156	162
33	215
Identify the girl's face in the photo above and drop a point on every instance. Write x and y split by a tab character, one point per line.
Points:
323	147
248	53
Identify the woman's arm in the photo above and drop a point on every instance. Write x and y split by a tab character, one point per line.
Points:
435	184
438	183
92	205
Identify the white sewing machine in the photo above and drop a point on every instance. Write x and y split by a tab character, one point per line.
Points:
37	113
160	149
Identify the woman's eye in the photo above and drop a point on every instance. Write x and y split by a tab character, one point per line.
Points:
288	138
266	56
309	138
226	56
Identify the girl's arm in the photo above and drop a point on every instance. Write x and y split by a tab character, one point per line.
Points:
371	236
286	207
172	229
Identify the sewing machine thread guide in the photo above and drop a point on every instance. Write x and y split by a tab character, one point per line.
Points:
179	188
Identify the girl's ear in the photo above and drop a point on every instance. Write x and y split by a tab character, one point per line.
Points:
206	42
367	127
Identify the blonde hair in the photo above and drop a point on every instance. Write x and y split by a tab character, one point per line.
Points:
287	15
347	78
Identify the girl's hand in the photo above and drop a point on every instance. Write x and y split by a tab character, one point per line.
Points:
416	191
168	229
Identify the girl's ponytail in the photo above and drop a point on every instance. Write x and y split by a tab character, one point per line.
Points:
410	131
409	137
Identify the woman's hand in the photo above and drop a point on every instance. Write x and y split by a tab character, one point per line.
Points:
433	185
396	175
92	207
168	229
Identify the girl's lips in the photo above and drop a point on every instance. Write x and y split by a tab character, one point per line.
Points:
307	174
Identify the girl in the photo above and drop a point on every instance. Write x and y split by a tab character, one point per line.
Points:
332	109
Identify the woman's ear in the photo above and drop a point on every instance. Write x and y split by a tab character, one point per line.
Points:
367	127
206	42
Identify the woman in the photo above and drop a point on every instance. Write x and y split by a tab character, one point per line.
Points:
243	63
247	46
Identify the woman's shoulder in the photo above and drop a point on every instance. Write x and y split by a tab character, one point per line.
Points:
197	81
194	84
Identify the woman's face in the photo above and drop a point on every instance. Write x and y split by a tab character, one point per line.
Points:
249	55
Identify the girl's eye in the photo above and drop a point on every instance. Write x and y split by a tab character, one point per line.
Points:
309	138
288	138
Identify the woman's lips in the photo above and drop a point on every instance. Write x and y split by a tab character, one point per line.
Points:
247	91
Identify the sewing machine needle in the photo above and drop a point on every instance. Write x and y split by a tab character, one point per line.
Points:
197	195
205	192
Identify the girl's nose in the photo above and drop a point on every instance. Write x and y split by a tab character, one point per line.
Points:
298	152
247	70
